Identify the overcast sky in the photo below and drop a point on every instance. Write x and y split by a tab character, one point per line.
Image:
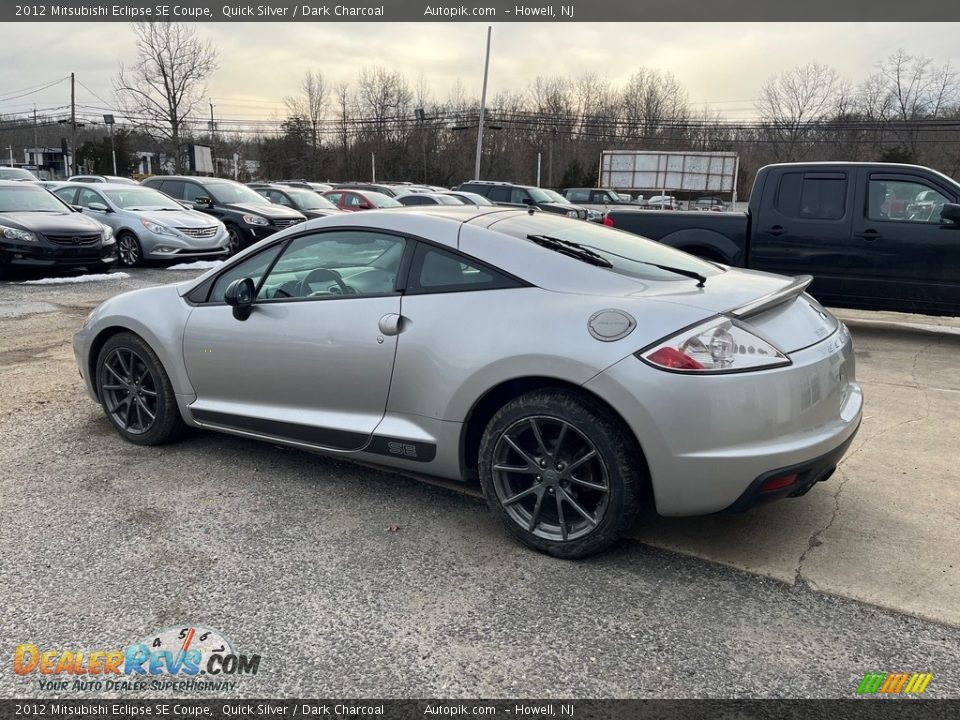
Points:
721	64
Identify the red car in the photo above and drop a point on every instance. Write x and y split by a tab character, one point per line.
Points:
352	200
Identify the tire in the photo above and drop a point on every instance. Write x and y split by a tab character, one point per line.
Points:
236	239
128	368
607	485
129	251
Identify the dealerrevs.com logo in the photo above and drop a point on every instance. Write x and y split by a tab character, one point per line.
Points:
185	658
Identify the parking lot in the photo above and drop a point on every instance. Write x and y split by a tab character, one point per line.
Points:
352	581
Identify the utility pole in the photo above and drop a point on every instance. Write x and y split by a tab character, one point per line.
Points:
73	127
213	154
35	127
483	106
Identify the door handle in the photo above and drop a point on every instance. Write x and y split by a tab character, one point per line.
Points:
776	231
869	235
391	324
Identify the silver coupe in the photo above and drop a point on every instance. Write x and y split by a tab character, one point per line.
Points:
580	373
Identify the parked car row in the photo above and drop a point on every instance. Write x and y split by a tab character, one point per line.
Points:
169	217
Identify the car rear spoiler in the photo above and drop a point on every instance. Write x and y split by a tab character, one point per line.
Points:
770	300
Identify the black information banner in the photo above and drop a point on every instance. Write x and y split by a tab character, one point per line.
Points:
490	11
867	709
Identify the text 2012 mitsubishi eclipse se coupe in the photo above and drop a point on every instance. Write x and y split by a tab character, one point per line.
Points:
580	372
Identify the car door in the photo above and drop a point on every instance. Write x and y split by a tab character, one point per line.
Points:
313	361
87	196
803	227
908	253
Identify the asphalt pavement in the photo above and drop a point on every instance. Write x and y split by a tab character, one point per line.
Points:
353	582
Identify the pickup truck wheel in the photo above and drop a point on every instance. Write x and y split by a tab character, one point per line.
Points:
560	473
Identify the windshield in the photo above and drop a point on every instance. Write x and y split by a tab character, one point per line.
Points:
309	200
10	173
557	197
141	198
29	198
539	195
381	200
625	251
230	192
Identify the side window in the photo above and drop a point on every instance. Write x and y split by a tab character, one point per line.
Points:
904	201
579	196
500	194
253	268
519	196
85	197
333	197
191	192
352	263
68	195
173	188
279	198
437	270
352	200
812	196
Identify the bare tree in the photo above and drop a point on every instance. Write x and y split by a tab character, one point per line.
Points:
167	82
311	103
793	102
653	105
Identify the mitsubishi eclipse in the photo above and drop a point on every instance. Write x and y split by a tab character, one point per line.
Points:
580	373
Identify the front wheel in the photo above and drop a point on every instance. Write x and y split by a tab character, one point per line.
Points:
135	391
560	472
235	243
129	251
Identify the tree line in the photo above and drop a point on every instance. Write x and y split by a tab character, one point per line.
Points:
906	110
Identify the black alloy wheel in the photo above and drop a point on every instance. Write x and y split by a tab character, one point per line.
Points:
562	474
135	391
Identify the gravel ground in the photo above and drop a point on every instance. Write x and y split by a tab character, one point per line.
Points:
358	583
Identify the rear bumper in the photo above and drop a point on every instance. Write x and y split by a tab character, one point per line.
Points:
710	442
808	474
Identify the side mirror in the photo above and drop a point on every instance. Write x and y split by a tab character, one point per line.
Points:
527	201
77	208
99	207
951	213
239	296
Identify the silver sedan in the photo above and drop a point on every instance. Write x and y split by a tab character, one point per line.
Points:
580	373
148	225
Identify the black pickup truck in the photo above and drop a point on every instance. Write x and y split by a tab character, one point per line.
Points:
875	236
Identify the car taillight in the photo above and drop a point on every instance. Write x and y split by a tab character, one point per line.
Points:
608	221
669	357
717	345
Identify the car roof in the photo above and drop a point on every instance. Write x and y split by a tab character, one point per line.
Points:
20	184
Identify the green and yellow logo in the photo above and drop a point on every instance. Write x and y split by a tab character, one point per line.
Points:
894	683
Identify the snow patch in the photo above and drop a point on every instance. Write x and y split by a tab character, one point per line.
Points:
14	309
78	279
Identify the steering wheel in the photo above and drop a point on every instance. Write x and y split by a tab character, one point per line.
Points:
319	275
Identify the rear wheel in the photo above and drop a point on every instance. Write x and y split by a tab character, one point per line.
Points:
560	472
135	391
